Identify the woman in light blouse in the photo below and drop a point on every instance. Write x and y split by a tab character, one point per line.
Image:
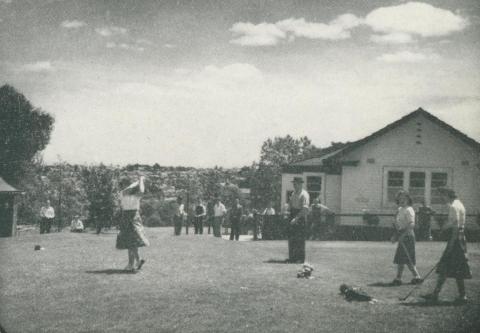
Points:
405	224
454	262
131	235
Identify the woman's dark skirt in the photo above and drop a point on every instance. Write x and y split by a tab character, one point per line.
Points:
131	233
454	264
405	253
296	238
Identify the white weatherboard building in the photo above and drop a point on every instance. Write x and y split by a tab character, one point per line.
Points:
418	153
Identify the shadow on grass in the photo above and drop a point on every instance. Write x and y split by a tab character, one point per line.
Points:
382	284
433	304
111	271
280	261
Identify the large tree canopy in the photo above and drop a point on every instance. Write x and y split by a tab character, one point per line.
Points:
24	131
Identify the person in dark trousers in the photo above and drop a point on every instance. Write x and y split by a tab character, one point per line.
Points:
270	227
236	213
200	213
299	207
424	216
454	262
179	214
210	214
47	216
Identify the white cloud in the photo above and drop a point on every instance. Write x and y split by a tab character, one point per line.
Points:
111	31
397	25
124	46
233	72
336	29
39	66
415	18
6	1
392	38
262	34
169	46
73	24
407	57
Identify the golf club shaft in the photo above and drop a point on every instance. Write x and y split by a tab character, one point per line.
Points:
418	285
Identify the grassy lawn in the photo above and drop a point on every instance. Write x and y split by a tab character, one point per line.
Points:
203	284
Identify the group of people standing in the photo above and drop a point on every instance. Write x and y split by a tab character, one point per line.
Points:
214	216
452	264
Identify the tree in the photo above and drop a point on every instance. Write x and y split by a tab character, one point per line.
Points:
100	192
24	131
266	176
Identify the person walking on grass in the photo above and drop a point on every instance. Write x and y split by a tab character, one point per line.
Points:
405	225
131	235
424	217
299	207
236	213
454	262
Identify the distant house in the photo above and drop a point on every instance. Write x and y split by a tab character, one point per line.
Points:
8	209
418	153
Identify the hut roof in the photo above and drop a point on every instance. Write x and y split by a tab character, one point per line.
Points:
7	188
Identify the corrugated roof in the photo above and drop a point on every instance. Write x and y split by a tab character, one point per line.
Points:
6	187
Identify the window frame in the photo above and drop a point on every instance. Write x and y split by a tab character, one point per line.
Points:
406	181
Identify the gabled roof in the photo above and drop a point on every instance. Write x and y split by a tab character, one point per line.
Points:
471	142
7	188
315	163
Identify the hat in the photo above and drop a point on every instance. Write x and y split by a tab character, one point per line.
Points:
298	180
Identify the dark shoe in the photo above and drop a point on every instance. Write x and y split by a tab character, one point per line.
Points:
433	298
396	282
140	264
416	281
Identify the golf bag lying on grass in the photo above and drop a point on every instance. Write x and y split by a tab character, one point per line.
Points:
305	272
352	293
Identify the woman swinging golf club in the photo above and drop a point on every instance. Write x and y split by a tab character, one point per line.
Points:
405	224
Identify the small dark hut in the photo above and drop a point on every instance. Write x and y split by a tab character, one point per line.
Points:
8	209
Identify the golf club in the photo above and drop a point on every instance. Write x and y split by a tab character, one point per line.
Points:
417	285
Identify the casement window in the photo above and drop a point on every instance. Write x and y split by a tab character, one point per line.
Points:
439	179
394	184
314	186
416	186
421	183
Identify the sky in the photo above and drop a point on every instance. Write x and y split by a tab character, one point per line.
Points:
205	83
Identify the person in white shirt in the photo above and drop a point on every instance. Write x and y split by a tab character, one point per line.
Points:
76	225
269	227
299	207
454	262
47	215
178	216
131	235
219	212
405	225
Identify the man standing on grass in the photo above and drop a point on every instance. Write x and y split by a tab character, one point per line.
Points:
47	215
200	213
219	212
299	207
178	216
236	213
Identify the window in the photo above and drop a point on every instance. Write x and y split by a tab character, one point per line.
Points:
394	184
314	186
439	179
421	183
417	186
